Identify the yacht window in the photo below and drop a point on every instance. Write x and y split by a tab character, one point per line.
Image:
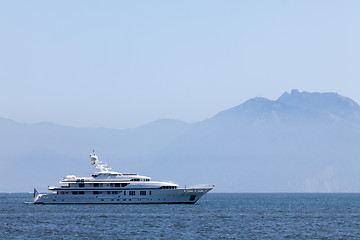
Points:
111	184
81	193
142	192
96	185
131	192
149	192
95	192
168	187
124	184
117	184
75	193
114	192
108	192
100	184
124	193
81	184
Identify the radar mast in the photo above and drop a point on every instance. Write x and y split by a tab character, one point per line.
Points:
98	164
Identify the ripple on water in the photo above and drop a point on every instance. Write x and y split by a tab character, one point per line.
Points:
228	216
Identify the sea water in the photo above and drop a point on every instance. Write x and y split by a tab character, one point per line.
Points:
215	216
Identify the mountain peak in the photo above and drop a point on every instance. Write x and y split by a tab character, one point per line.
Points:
311	98
251	104
250	110
286	94
326	102
295	91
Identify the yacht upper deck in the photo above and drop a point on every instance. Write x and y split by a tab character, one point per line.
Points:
105	175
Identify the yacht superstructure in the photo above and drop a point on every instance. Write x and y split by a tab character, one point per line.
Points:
106	186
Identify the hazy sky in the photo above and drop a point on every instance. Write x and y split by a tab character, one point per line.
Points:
125	63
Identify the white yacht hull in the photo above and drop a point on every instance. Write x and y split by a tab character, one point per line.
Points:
158	196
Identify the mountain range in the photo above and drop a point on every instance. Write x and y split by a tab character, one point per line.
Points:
301	142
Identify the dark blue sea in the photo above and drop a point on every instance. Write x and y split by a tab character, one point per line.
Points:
215	216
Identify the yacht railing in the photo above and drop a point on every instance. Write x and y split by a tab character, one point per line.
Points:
202	186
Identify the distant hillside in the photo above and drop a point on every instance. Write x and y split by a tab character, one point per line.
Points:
301	142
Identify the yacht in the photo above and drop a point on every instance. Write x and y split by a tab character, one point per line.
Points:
110	187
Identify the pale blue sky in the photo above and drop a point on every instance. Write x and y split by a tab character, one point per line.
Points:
125	63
